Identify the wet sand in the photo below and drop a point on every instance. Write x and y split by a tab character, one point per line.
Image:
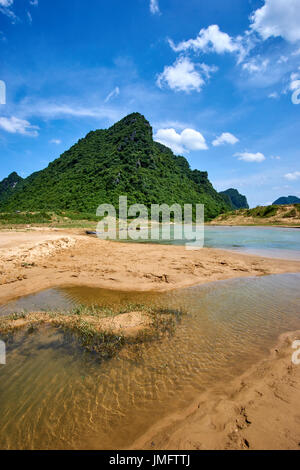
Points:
34	260
258	411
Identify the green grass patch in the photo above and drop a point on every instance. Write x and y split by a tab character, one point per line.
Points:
79	324
262	211
28	218
290	214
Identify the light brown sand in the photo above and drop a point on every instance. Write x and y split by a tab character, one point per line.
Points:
260	410
35	260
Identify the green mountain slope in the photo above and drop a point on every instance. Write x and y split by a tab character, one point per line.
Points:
235	199
122	160
9	185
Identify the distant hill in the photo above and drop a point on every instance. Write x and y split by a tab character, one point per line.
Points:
9	185
235	199
121	160
262	215
287	200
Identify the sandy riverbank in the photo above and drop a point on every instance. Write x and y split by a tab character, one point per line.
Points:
257	411
39	259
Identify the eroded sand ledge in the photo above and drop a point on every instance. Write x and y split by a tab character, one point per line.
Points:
39	259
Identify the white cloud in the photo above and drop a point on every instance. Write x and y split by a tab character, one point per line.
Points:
34	2
29	17
49	110
292	176
188	139
251	157
273	95
5	8
275	157
278	18
112	94
167	123
6	3
154	7
210	39
295	83
55	141
225	138
184	76
15	125
256	65
282	59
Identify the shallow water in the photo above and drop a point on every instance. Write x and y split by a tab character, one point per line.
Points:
55	396
275	242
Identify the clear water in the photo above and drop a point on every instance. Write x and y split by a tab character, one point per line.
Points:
53	396
275	242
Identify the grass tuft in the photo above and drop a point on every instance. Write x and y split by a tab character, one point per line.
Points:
84	324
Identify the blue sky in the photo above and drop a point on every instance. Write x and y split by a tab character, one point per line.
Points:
217	80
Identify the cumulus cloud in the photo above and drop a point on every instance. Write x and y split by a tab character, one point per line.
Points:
278	18
256	65
210	39
55	141
251	157
154	7
15	125
292	176
225	138
184	75
187	140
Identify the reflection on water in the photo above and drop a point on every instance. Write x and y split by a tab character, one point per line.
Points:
54	396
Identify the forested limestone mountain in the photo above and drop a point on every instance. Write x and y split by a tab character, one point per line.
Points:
9	185
235	199
121	160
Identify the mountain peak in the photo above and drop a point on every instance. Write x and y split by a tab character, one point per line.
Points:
286	200
14	175
235	199
133	122
132	119
8	185
121	160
